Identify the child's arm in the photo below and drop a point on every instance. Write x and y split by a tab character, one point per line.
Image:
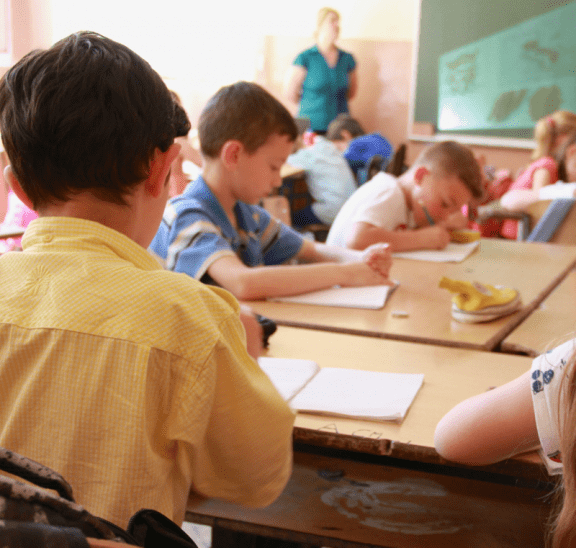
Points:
490	427
519	199
364	234
251	283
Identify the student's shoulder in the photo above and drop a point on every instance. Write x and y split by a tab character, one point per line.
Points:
182	298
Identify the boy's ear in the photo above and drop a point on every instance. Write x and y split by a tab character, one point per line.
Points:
230	153
160	169
419	174
10	178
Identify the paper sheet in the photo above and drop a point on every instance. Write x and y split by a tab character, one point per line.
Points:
373	297
452	253
288	376
372	395
363	394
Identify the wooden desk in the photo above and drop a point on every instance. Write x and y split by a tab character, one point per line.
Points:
353	484
549	325
450	376
533	268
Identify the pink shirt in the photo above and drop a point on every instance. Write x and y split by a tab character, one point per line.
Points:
17	214
525	181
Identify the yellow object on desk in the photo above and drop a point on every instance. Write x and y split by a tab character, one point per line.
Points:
464	236
474	302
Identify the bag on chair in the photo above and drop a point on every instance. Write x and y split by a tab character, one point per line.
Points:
32	515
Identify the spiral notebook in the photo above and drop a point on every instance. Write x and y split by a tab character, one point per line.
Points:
352	393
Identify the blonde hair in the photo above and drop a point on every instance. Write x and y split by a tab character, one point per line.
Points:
548	128
322	14
563	532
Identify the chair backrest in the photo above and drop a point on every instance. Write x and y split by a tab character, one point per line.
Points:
553	221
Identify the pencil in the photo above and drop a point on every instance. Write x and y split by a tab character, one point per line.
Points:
428	216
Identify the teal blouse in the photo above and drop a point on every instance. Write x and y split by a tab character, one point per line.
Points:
325	88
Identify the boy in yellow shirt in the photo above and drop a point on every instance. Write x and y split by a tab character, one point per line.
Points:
132	382
216	232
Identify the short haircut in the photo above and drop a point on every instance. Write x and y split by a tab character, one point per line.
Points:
244	112
85	115
452	158
344	122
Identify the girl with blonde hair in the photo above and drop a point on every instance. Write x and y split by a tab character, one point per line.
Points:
550	133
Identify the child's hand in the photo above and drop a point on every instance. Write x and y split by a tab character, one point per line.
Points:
455	221
435	237
379	258
254	338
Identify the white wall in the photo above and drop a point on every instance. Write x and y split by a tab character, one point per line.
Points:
199	46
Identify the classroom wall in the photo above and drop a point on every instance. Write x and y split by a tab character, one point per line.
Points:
198	47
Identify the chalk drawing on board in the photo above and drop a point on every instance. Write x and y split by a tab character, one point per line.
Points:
516	76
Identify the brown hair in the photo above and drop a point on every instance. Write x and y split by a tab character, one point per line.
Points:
548	128
450	157
86	114
344	122
243	112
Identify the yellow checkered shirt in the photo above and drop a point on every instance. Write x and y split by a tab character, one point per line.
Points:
133	382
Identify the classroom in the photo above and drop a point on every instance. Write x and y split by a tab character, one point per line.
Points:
417	472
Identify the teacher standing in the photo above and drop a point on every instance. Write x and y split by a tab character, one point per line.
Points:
323	78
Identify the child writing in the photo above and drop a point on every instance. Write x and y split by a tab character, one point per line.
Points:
536	409
132	382
216	233
550	133
415	211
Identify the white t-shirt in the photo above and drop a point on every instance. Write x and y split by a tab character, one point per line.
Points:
380	202
547	373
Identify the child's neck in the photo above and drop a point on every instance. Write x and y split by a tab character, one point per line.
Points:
216	179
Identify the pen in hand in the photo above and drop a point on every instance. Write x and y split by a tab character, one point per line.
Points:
428	216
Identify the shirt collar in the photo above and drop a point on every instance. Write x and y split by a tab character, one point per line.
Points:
70	234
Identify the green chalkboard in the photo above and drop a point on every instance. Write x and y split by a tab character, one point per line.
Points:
448	27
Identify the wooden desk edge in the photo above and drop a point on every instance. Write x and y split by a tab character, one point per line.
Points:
390	336
520	466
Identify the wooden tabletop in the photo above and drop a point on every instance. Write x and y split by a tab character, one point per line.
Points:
550	324
450	376
535	269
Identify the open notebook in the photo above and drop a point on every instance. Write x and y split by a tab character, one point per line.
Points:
373	296
452	253
371	395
